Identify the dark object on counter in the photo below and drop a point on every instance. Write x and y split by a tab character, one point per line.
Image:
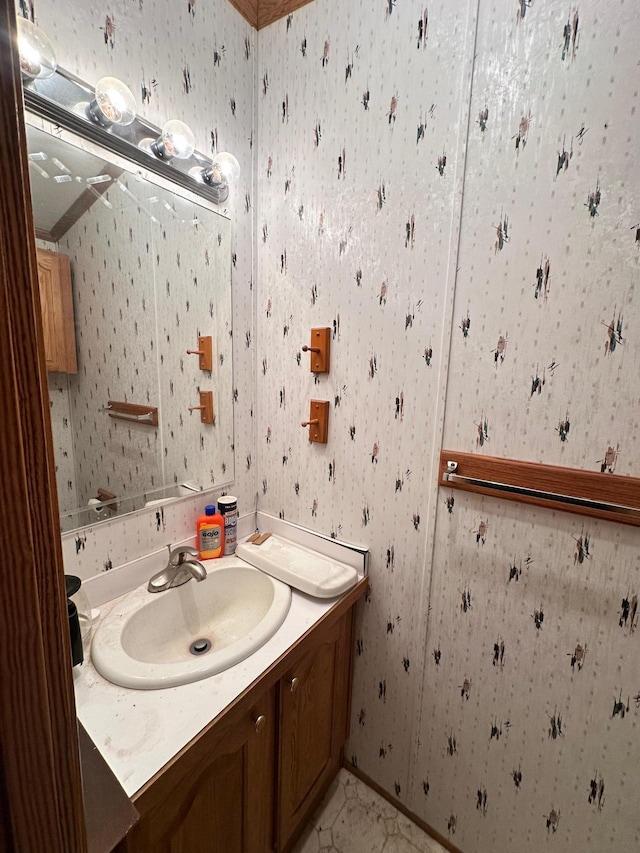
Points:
76	593
77	655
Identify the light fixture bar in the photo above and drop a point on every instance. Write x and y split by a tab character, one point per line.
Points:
62	99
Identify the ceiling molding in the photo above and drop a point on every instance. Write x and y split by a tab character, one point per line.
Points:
248	9
261	13
272	10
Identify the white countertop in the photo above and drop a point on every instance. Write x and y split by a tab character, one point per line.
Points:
139	731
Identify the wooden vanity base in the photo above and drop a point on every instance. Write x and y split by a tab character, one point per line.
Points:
249	782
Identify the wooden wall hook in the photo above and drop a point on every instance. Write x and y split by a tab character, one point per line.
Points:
207	415
205	351
319	350
318	422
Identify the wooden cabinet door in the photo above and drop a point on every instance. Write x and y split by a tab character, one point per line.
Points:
54	276
218	796
313	726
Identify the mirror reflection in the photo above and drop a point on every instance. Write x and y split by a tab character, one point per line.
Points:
132	275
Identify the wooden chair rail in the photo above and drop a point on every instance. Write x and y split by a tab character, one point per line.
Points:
606	496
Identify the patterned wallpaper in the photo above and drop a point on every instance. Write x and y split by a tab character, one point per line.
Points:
60	409
545	306
452	189
150	272
358	218
196	64
496	680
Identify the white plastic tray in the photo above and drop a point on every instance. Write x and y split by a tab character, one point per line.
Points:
299	567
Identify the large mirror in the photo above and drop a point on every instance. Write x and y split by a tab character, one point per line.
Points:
149	271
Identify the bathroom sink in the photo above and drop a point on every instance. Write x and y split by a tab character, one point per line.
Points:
151	640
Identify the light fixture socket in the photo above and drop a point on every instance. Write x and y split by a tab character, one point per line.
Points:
225	169
113	103
212	178
176	140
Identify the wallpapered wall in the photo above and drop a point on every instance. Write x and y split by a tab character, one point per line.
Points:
497	669
147	279
196	63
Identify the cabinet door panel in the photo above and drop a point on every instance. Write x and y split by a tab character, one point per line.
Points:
306	723
212	817
219	796
312	727
54	277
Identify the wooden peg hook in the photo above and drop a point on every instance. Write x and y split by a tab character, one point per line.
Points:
205	351
319	349
318	421
206	408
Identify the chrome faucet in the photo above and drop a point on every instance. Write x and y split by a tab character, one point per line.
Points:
181	568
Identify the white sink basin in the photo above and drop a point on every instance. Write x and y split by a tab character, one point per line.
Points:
145	640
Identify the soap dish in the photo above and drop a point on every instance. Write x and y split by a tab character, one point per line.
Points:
299	567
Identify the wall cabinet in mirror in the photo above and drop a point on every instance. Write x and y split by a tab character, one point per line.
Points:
54	277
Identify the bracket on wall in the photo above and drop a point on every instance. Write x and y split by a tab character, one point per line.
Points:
108	498
207	415
319	349
147	415
318	422
205	351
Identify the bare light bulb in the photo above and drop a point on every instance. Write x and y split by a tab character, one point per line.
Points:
37	59
227	166
176	140
225	169
113	103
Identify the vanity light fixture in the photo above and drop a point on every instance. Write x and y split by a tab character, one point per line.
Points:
107	116
176	140
37	58
113	103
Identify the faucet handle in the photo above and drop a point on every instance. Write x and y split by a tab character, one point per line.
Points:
179	555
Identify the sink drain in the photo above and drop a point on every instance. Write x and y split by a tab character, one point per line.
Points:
199	647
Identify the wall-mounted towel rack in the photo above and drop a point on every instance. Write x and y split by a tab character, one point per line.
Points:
146	415
607	496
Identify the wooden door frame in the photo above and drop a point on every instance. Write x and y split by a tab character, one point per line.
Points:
40	784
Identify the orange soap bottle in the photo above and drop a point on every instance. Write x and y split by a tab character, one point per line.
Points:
210	534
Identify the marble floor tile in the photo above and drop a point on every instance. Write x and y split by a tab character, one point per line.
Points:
399	844
359	830
352	818
333	801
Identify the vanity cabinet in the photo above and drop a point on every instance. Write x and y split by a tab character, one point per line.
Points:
56	299
313	725
216	796
249	782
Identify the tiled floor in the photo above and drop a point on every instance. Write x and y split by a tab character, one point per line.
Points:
354	819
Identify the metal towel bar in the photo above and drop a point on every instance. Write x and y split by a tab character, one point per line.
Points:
132	412
450	475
